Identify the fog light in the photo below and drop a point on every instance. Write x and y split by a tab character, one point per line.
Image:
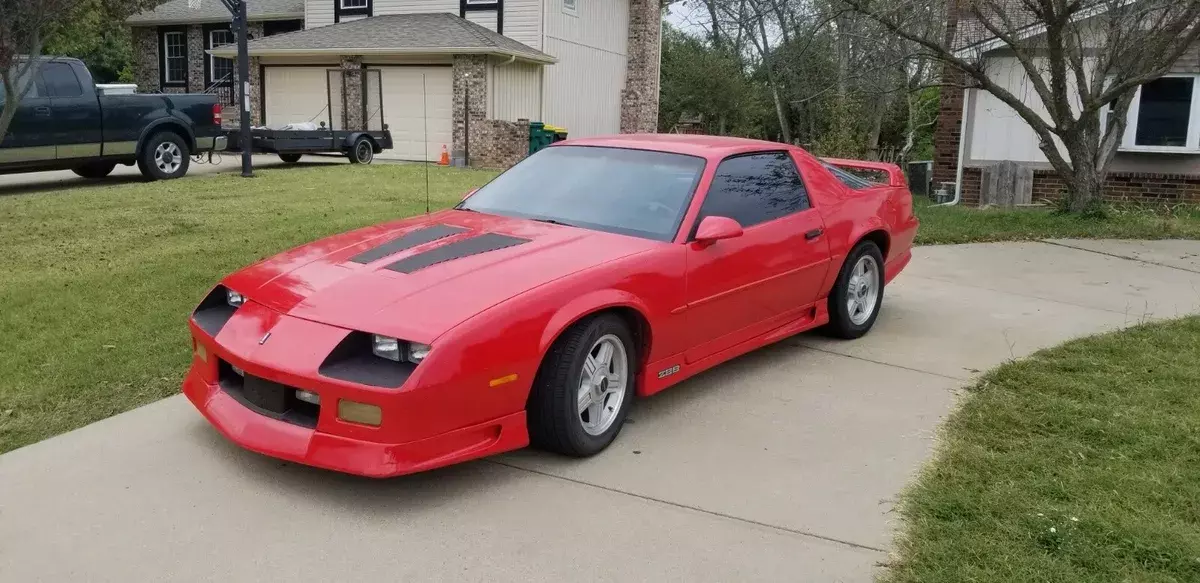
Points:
308	397
234	299
360	413
385	347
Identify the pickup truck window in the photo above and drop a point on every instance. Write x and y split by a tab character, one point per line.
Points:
60	80
31	92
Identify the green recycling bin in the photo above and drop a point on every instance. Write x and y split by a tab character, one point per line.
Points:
539	137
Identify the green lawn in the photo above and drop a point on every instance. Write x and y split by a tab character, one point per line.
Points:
1081	463
957	224
96	283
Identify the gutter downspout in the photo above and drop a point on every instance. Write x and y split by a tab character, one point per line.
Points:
962	149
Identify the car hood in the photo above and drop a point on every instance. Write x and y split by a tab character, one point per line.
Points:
417	278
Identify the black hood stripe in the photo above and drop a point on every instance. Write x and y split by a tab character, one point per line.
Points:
456	250
407	241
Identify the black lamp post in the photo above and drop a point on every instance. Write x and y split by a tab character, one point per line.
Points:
241	28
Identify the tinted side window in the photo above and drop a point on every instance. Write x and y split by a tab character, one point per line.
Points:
61	80
855	182
32	91
756	188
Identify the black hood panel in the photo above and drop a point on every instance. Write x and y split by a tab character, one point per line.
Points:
407	241
456	250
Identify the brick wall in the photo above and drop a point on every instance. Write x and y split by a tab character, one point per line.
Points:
470	92
947	132
498	144
352	93
639	99
1118	187
146	70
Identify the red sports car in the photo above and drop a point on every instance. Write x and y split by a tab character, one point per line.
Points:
594	272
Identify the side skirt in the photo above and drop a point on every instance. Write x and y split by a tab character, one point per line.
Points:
814	316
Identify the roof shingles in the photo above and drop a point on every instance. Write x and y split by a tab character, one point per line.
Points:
178	12
442	32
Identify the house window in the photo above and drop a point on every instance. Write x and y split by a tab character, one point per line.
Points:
174	58
571	6
1164	116
354	4
220	68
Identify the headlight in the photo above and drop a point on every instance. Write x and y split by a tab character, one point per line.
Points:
417	352
234	299
386	347
398	350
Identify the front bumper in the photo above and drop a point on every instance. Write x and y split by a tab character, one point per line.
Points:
312	447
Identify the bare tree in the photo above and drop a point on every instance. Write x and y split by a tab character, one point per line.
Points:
1079	57
24	26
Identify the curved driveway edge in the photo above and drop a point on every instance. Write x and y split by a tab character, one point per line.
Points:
781	465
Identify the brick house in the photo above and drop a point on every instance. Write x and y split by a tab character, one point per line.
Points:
467	75
1158	159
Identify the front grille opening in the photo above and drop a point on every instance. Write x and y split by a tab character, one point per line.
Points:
267	397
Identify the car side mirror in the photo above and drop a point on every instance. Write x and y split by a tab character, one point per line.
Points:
713	229
469	193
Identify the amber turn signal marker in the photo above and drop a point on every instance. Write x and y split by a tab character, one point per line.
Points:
360	413
201	352
502	380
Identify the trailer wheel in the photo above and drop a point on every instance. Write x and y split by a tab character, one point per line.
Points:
290	158
363	151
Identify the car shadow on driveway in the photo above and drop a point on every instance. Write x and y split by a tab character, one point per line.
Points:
370	498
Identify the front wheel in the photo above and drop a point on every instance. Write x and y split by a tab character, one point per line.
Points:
164	156
363	151
95	170
290	158
858	294
585	388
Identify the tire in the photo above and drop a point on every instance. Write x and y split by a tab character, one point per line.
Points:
864	261
290	158
95	170
362	152
556	422
164	156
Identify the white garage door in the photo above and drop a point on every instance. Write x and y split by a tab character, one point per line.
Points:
405	107
295	94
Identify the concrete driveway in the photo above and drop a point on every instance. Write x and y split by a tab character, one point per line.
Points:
780	466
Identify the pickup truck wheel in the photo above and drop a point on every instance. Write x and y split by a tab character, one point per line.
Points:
363	151
290	158
164	156
95	169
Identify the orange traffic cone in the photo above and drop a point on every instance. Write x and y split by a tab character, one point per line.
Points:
445	159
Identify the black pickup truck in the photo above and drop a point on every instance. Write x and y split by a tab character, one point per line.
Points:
65	123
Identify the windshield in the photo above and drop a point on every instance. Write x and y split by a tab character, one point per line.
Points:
630	192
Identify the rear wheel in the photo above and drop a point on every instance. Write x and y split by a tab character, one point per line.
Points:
290	158
95	169
858	294
585	388
164	156
362	152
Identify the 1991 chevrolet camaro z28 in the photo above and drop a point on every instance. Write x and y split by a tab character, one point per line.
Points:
592	272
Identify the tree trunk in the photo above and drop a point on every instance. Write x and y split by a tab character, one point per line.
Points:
18	78
1084	188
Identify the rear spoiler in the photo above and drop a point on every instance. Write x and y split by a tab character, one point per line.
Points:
893	172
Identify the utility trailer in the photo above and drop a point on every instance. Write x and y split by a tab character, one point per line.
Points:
368	137
359	146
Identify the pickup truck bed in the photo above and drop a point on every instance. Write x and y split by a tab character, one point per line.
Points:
63	122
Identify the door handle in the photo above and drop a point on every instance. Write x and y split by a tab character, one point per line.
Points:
42	111
813	234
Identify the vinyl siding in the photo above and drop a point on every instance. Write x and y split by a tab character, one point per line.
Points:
516	91
523	21
486	19
320	12
582	92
